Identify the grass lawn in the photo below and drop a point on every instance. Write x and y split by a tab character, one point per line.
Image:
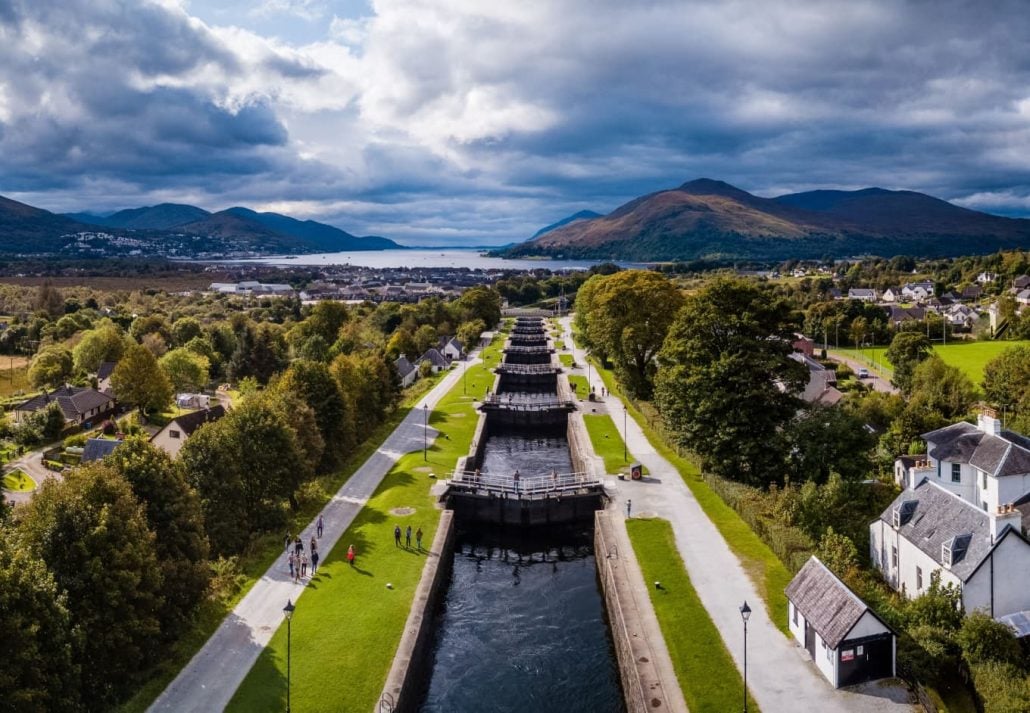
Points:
706	673
580	384
607	441
970	357
765	569
17	482
14	381
348	623
565	359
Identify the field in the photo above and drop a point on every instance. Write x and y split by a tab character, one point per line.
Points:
970	357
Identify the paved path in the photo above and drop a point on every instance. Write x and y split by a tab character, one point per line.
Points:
878	382
210	679
32	465
780	675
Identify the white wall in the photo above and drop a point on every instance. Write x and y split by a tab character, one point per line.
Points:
1011	580
826	660
967	488
1009	488
163	440
799	630
909	557
868	625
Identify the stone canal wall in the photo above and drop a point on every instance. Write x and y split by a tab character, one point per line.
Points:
648	684
407	677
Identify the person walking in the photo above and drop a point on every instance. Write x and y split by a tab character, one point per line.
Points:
303	566
298	546
397	535
407	537
516	482
314	562
629	508
314	544
319	527
418	538
288	541
350	555
290	559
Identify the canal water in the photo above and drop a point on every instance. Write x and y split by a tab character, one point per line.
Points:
523	628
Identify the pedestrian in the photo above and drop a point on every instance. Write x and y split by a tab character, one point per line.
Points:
319	527
397	535
350	555
418	538
298	545
303	566
290	560
407	537
629	507
296	569
314	563
516	482
288	541
314	544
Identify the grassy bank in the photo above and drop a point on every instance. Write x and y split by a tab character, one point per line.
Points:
260	556
607	441
970	357
768	573
347	626
705	670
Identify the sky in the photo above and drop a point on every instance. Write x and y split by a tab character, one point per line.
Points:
472	122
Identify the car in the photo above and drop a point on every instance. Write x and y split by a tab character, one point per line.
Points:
863	373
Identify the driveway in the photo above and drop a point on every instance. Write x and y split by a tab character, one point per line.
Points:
781	677
875	380
32	465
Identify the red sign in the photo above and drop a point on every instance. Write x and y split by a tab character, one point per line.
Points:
847	655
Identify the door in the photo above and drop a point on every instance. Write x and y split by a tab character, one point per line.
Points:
810	639
865	659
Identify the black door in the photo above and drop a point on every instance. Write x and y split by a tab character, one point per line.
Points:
810	639
864	660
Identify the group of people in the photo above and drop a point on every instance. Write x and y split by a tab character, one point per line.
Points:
298	560
407	537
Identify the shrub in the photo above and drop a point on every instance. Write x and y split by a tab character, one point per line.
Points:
76	441
109	428
311	493
985	640
1002	687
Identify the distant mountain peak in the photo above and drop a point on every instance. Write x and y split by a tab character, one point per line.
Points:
575	217
711	186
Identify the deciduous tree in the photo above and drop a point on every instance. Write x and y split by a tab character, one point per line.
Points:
906	352
187	370
139	380
51	367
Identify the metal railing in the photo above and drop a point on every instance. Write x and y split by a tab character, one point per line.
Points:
516	349
525	486
506	368
523	403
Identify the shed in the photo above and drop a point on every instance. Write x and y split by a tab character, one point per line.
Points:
847	641
98	449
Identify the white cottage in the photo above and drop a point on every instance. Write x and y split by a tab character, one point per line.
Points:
847	641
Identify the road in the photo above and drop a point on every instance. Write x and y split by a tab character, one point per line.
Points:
32	465
780	675
875	380
210	679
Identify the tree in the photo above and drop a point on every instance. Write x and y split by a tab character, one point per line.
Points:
983	639
939	387
827	439
39	671
186	370
51	367
155	344
90	531
479	302
185	329
139	380
1007	378
313	384
370	385
629	315
425	338
174	515
469	333
103	343
402	343
325	320
49	299
838	553
725	383
150	324
906	352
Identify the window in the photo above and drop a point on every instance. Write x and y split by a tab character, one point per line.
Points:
174	434
983	482
829	652
894	556
919	579
795	614
983	504
956	472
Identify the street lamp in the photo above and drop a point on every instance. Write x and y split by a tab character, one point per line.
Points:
745	614
288	613
425	432
625	457
464	370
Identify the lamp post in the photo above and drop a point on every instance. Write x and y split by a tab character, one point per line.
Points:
288	613
464	370
745	614
425	432
625	456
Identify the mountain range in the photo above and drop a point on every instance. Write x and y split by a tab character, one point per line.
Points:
707	218
171	229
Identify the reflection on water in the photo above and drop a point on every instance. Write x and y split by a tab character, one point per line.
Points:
531	455
523	629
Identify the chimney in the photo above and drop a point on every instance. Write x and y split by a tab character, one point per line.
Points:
1005	515
987	421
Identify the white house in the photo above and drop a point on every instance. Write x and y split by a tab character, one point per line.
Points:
451	348
917	290
847	641
437	361
864	294
177	431
891	294
104	372
406	371
985	278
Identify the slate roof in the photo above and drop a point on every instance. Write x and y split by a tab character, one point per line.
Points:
1005	454
937	516
98	449
826	602
1021	281
403	366
822	382
73	400
105	369
188	423
434	357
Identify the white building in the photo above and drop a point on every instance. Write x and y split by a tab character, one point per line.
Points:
864	294
178	430
406	371
847	641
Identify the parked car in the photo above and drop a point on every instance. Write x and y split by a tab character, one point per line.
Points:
863	373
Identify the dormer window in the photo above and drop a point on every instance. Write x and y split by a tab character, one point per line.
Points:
953	550
956	472
903	513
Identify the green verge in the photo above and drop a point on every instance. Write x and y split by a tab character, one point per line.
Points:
765	569
261	555
565	359
705	670
580	382
348	624
607	442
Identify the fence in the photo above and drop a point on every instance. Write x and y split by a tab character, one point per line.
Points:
525	486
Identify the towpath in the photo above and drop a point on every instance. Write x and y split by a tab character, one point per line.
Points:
210	679
779	674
